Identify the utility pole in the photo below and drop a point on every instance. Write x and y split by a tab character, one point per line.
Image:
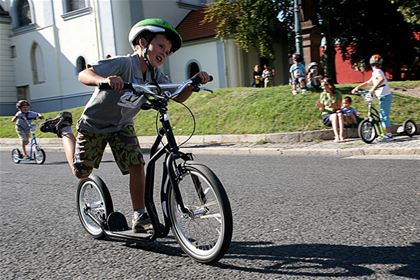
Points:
298	28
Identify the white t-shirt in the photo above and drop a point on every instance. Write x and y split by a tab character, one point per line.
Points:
384	88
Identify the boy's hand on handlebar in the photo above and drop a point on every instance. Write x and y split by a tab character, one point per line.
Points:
115	82
204	77
355	90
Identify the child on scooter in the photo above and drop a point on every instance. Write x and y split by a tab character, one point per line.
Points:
23	119
379	86
104	121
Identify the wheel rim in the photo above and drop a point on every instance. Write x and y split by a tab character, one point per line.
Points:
15	155
368	131
410	128
39	155
91	202
202	232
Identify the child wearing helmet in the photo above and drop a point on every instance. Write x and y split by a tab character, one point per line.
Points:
379	85
104	121
23	119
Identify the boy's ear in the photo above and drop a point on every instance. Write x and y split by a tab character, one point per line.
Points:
142	42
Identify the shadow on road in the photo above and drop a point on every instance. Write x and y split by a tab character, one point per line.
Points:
323	260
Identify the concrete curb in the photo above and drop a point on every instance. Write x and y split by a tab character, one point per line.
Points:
293	143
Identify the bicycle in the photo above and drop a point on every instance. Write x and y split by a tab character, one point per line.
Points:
194	203
36	153
371	127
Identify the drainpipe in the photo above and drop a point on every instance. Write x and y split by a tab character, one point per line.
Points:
98	30
58	56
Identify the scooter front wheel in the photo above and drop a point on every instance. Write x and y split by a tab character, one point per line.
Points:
205	231
367	131
410	127
39	155
16	156
94	204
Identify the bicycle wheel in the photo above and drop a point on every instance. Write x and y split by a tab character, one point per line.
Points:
16	156
94	204
367	131
39	155
206	231
410	127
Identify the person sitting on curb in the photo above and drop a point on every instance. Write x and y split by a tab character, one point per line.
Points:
329	104
350	114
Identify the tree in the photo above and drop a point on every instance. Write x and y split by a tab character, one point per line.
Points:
363	28
410	9
252	23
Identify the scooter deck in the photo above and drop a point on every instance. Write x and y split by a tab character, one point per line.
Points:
118	228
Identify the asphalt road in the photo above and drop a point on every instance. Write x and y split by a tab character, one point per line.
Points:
295	217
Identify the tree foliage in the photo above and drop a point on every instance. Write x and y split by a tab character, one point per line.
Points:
410	9
362	27
252	23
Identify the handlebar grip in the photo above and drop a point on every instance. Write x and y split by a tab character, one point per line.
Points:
106	86
197	80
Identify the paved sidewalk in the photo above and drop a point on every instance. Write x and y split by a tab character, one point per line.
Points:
299	143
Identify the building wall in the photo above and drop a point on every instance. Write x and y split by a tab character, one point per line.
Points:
7	73
206	53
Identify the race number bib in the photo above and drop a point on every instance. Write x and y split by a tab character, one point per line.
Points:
129	100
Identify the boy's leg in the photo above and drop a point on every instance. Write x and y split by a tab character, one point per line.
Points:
24	139
129	158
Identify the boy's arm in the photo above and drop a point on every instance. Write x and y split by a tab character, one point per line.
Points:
14	119
185	94
90	78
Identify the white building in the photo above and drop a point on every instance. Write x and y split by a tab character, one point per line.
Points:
46	43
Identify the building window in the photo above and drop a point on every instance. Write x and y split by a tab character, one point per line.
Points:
23	92
24	15
74	5
80	64
192	69
37	63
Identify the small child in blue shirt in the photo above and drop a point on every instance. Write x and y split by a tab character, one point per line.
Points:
23	119
297	74
349	113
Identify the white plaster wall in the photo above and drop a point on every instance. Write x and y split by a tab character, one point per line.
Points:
205	54
173	14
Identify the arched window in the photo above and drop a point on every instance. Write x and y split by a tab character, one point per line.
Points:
80	64
192	69
37	64
24	15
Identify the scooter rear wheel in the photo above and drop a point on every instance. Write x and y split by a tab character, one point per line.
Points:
16	156
94	204
410	127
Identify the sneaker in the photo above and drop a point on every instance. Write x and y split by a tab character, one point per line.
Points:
55	125
304	91
142	223
386	138
294	92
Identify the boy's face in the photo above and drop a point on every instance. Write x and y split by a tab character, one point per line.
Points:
346	103
159	50
24	108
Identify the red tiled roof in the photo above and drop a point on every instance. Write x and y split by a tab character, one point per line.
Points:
192	27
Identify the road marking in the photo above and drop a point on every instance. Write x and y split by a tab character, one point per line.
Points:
399	157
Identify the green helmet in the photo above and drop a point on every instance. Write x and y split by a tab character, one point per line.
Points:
155	25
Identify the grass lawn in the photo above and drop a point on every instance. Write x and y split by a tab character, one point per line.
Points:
251	111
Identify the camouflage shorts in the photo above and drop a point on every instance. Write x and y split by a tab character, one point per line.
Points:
90	148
